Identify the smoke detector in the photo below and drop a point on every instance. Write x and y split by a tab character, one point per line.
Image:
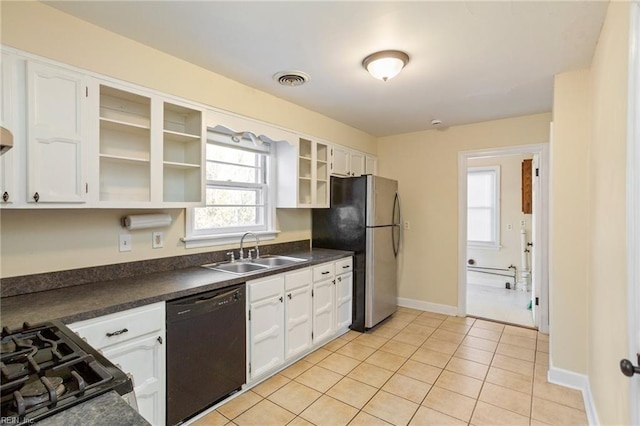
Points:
291	78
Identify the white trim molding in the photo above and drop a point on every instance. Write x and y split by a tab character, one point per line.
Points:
579	382
428	306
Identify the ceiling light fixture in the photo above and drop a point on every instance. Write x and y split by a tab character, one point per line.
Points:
386	64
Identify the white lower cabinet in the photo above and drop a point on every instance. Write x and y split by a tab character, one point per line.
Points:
266	325
298	310
293	313
344	293
134	340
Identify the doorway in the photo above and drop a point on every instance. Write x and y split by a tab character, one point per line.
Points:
502	251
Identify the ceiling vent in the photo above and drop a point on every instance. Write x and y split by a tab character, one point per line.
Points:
291	78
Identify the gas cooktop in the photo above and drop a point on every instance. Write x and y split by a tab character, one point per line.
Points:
46	368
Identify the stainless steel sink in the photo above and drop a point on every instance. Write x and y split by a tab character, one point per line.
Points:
249	266
239	268
272	261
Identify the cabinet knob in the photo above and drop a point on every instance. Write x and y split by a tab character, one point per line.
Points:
334	282
340	279
281	299
36	197
5	196
627	367
289	296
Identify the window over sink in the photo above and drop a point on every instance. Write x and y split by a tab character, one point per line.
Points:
239	194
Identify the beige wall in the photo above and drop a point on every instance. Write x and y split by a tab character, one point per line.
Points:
568	222
607	304
588	231
426	166
510	214
52	240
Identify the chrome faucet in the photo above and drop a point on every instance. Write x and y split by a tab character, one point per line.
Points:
249	252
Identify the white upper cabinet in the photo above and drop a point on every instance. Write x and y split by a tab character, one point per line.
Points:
56	135
347	162
7	120
303	174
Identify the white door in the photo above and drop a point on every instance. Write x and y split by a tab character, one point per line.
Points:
323	319
340	161
357	164
298	308
344	289
266	334
56	142
144	358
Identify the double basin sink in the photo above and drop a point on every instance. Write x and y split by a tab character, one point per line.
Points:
242	267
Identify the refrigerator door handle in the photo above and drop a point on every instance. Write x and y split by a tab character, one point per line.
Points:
396	244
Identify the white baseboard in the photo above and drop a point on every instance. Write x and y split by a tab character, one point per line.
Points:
577	381
428	306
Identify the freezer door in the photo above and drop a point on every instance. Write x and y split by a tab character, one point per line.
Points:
380	276
381	205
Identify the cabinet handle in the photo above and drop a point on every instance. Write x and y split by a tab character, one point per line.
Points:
325	272
334	282
117	333
346	267
36	197
159	339
340	279
5	196
289	296
281	299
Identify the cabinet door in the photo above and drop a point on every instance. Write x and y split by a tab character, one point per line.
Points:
298	308
266	335
56	145
344	291
340	161
144	359
7	117
371	165
357	164
323	309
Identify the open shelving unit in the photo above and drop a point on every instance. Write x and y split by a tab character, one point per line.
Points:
125	146
182	153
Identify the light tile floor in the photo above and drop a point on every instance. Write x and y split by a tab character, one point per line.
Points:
416	368
499	304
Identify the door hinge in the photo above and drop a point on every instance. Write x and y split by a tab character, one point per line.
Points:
311	292
86	188
86	91
312	335
249	367
537	301
249	314
537	172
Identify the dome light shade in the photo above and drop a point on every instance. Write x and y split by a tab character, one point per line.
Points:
386	64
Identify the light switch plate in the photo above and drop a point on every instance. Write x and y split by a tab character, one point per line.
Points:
157	240
125	242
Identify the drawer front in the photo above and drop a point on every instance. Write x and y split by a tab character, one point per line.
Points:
323	272
265	288
116	328
293	280
343	266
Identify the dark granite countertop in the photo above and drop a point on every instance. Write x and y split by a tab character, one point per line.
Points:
81	302
108	409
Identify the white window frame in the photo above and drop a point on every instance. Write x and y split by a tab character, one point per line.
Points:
495	243
211	237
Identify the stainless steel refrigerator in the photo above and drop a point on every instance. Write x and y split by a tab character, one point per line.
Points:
364	217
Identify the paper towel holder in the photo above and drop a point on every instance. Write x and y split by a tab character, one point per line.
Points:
143	221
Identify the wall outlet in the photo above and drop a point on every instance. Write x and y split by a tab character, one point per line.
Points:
407	225
509	227
157	240
523	223
125	242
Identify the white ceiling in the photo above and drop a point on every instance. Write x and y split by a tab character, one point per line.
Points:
470	61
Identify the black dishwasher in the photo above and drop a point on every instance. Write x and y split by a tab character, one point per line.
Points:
206	350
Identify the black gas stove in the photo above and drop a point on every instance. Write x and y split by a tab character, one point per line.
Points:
46	368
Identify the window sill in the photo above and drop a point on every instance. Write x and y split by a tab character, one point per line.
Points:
493	247
224	239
